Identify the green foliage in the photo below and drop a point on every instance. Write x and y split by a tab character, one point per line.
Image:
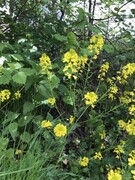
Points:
33	102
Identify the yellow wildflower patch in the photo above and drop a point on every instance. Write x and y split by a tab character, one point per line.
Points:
84	161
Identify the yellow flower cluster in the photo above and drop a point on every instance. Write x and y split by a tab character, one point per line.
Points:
98	155
102	135
119	149
17	95
45	64
127	71
5	95
131	110
128	97
133	172
96	45
114	174
51	101
84	161
131	159
60	130
90	98
46	124
18	151
129	126
71	119
74	63
112	91
103	70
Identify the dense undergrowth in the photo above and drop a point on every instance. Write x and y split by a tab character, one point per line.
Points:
72	117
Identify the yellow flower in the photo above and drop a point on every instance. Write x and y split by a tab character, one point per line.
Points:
98	155
90	98
46	124
130	127
17	95
131	109
96	44
71	119
133	172
122	124
103	70
73	63
114	174
131	159
45	64
102	135
128	70
5	95
112	91
84	161
18	151
60	130
51	101
102	146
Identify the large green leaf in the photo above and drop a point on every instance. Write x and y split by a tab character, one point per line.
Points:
19	78
72	39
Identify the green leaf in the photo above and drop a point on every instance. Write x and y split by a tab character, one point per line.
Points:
28	71
25	137
53	81
60	38
109	48
5	77
72	39
11	116
68	100
43	91
3	143
19	78
17	57
24	120
12	127
9	153
14	66
5	45
27	107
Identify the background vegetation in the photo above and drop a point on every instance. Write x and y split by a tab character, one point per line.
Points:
67	89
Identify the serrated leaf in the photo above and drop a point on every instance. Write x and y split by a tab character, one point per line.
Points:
27	107
19	78
5	79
